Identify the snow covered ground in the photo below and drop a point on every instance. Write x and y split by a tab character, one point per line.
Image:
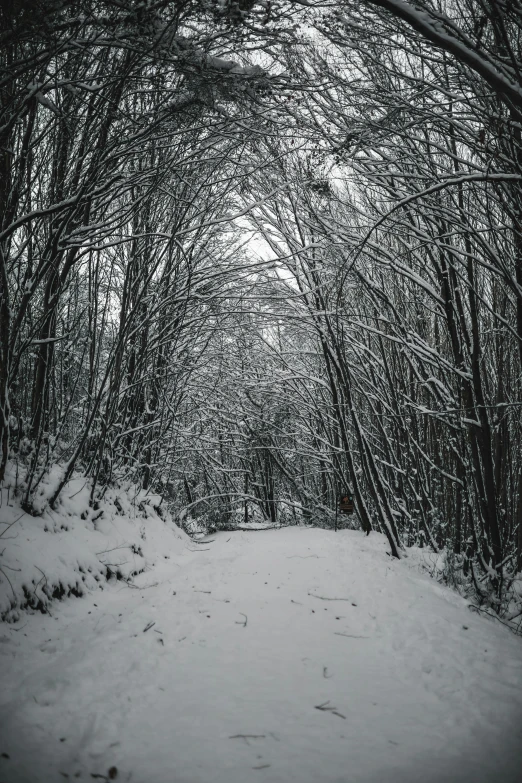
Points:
277	655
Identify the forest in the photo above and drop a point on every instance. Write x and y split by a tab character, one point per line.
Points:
257	254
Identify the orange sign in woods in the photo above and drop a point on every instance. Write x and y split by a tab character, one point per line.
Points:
346	503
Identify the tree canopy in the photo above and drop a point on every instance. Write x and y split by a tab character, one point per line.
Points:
257	254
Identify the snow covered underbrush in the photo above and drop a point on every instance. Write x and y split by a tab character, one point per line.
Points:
450	569
74	547
210	521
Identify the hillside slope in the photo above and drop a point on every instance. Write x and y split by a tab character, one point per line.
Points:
279	655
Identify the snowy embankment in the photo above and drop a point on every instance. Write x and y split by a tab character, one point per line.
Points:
279	655
75	548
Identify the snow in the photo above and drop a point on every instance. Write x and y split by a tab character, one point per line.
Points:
74	547
296	654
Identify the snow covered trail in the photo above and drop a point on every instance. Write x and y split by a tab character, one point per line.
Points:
281	655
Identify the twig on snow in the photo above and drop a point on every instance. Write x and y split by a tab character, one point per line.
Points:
246	737
10	585
78	492
104	551
325	708
11	524
238	622
140	587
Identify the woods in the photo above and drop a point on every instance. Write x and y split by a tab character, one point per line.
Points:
254	252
